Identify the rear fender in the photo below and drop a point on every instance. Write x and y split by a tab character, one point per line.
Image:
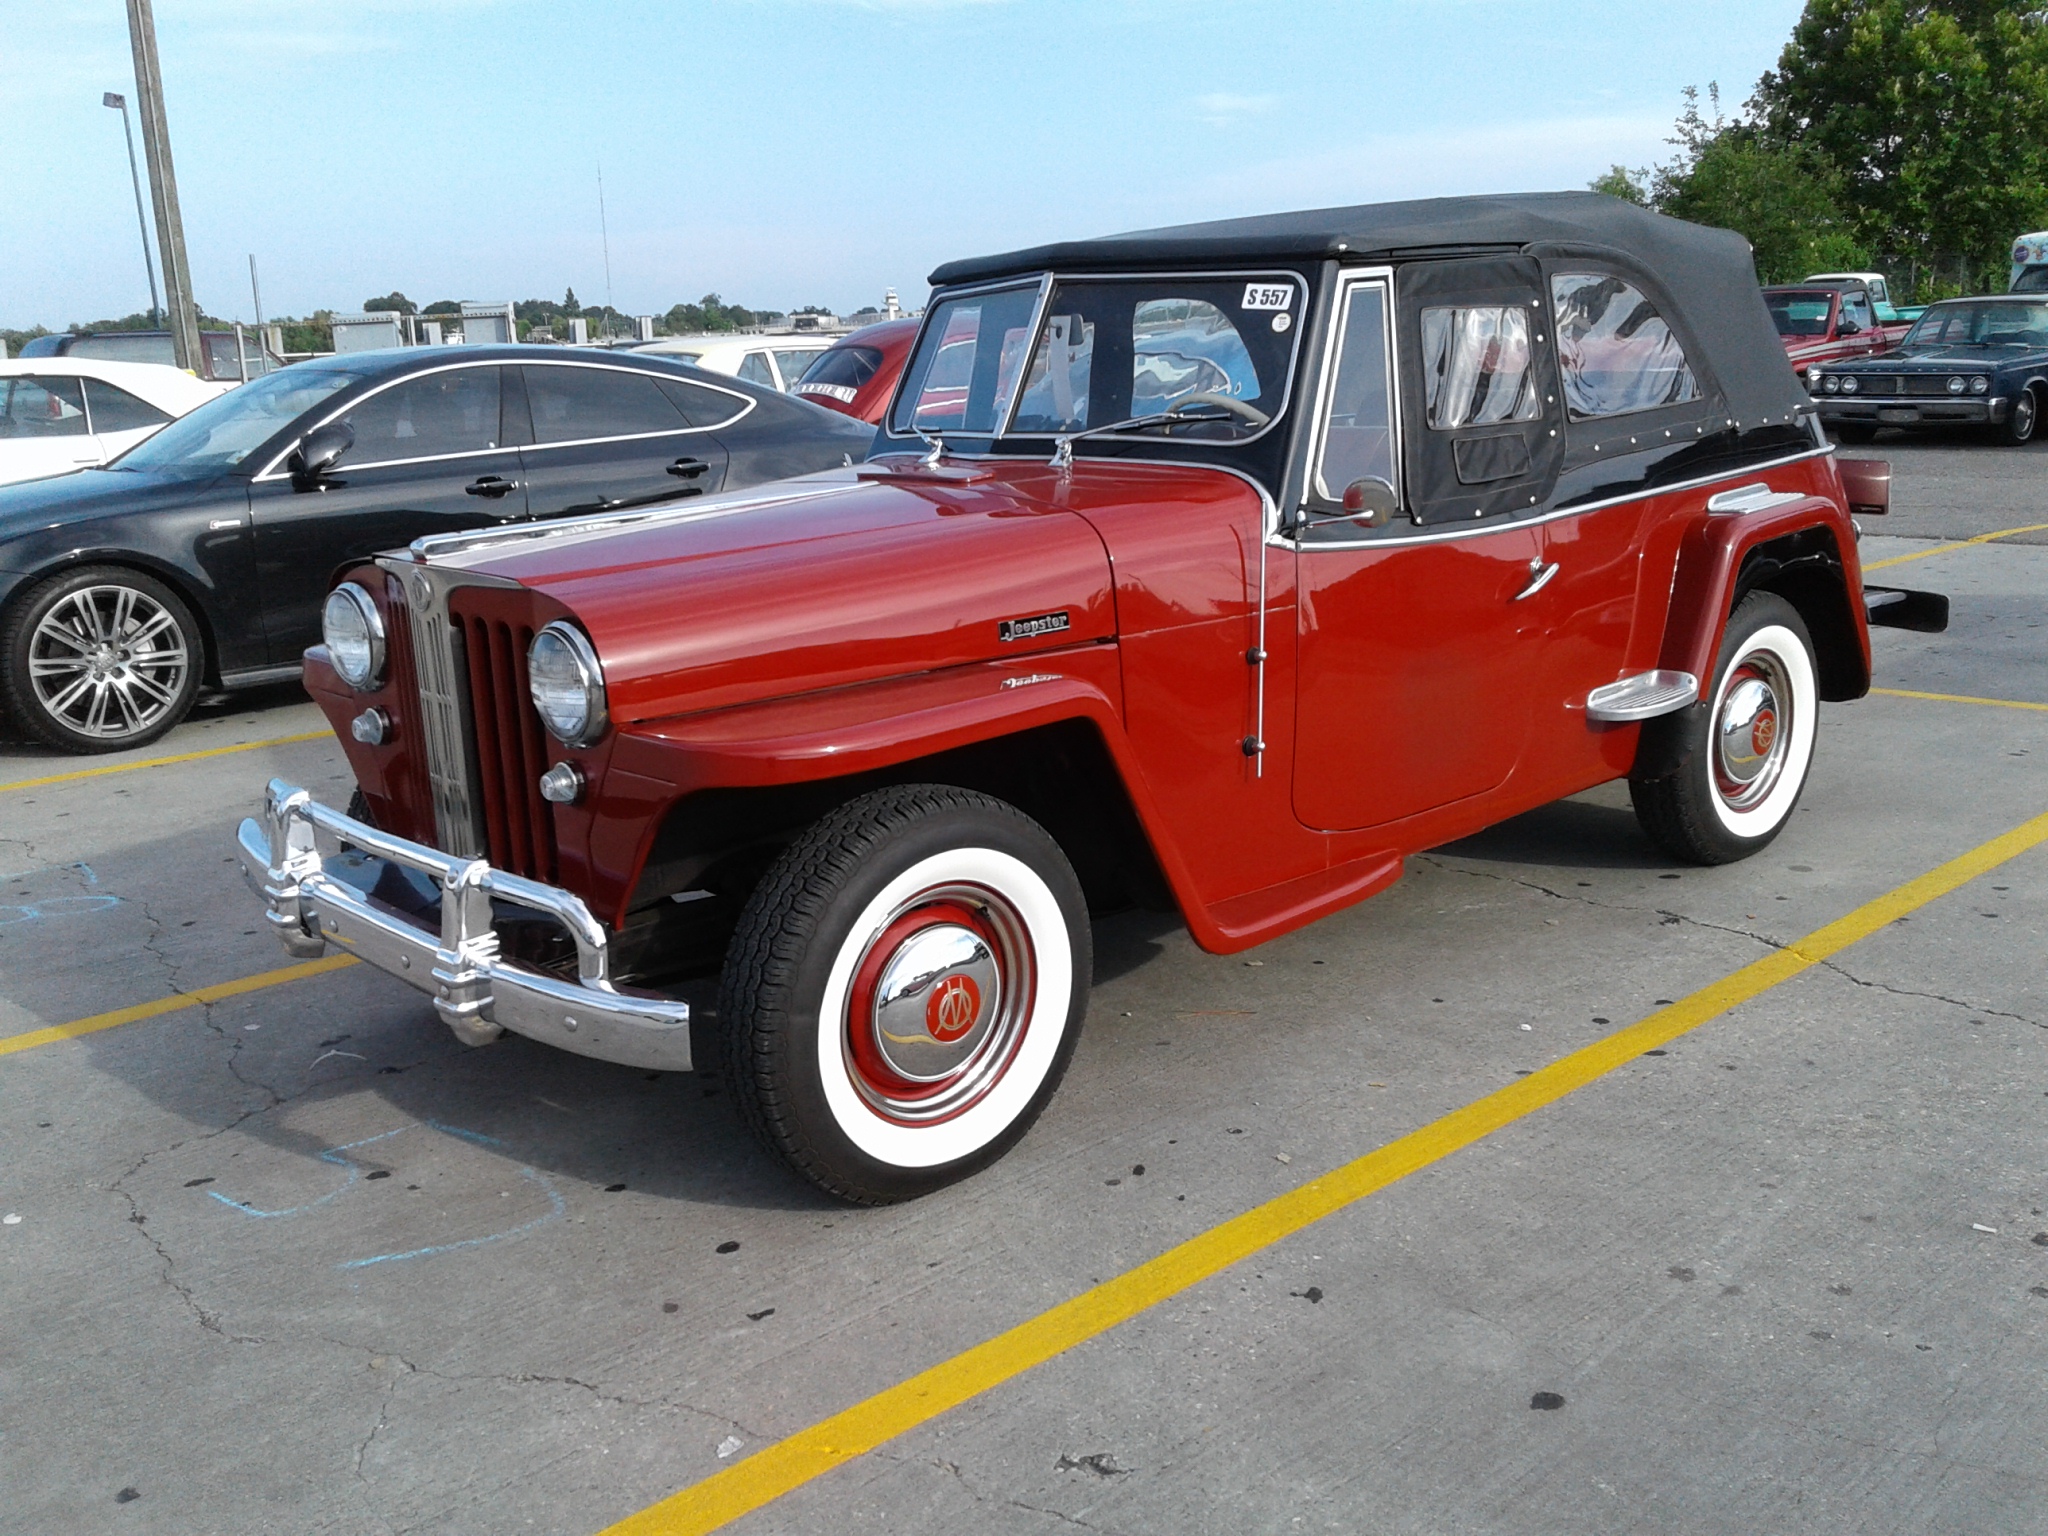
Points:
1804	550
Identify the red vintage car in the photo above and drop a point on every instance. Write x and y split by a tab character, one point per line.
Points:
1829	324
857	374
1216	568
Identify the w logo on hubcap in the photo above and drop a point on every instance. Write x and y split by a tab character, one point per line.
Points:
952	1008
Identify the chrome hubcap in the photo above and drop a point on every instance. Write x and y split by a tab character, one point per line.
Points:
108	661
939	1004
1751	731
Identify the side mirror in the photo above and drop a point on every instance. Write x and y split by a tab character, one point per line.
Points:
320	450
1848	327
1371	501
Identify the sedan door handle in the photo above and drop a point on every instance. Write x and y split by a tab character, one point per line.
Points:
492	486
1539	578
688	468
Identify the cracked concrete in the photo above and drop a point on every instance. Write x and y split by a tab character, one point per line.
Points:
1817	1161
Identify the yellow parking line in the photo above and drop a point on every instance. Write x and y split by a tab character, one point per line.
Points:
1957	698
809	1453
177	1000
163	762
1942	549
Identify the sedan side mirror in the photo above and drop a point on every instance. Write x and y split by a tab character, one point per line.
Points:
1371	501
319	451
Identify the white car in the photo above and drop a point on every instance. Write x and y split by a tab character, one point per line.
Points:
776	362
59	414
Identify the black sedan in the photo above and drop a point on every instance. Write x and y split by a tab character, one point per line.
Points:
1980	363
202	556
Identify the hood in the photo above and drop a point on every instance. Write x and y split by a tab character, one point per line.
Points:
87	495
834	579
1935	360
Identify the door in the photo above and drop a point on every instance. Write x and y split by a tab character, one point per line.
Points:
605	439
44	429
1416	645
430	456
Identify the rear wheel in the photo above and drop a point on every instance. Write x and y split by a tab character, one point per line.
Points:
100	659
1751	748
904	990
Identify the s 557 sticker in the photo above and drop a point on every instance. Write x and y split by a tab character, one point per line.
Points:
1267	296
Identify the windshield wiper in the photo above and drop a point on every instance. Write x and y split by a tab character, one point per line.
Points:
1180	415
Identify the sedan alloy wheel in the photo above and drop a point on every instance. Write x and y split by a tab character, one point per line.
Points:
101	660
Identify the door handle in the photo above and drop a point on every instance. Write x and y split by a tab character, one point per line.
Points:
688	468
492	486
1539	578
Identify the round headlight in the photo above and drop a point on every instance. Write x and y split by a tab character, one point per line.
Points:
353	631
1848	385
1833	384
567	684
1956	385
1979	385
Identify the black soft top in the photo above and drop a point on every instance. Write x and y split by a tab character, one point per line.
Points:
1707	273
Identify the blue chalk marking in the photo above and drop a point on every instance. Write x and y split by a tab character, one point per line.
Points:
559	1209
331	1155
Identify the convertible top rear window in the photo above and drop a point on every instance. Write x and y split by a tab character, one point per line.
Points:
1617	354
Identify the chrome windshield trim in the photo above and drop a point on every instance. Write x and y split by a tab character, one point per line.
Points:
931	309
1349	280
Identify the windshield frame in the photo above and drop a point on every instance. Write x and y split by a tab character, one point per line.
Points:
1912	340
1051	278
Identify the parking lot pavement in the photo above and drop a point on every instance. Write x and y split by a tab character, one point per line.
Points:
296	1261
1951	486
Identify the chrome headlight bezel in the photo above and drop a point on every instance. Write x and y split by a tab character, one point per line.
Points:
557	643
1849	384
1833	385
1980	384
358	659
1957	384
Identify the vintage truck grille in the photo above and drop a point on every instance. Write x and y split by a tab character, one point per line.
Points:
437	668
511	753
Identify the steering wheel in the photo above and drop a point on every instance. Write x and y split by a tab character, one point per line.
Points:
1247	413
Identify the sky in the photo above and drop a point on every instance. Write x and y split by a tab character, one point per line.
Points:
789	152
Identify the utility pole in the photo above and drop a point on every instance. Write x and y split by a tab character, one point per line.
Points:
163	188
116	99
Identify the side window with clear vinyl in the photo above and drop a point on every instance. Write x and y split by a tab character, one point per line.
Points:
1616	352
1476	367
1358	424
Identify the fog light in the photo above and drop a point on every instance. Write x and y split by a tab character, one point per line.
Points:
1979	385
1956	385
371	727
561	784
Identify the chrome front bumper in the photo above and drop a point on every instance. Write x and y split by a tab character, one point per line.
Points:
285	858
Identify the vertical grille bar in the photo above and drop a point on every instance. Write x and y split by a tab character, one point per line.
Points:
489	750
435	644
510	762
534	753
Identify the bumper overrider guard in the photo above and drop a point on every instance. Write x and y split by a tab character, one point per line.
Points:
285	857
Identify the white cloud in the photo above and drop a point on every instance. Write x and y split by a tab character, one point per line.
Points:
1222	108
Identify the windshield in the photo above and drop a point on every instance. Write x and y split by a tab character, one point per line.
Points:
1981	323
1800	314
225	431
966	363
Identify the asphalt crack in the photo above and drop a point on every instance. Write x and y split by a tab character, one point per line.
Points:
994	1501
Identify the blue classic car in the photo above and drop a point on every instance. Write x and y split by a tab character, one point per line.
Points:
1979	363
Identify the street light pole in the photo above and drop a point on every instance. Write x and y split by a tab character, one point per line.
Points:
116	99
163	188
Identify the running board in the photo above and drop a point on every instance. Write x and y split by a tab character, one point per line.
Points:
1643	697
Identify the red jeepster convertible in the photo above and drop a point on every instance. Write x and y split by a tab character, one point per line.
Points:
1219	568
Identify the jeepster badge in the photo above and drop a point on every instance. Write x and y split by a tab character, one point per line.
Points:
1032	628
953	1007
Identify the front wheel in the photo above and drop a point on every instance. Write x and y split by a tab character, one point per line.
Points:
904	990
2018	426
100	659
1749	751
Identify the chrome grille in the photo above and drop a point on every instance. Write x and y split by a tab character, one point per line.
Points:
451	766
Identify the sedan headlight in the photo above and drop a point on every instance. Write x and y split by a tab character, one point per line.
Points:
1979	385
1834	384
567	684
1956	385
1848	385
353	631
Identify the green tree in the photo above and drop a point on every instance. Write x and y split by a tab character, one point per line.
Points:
443	307
394	302
1618	181
1935	112
569	305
